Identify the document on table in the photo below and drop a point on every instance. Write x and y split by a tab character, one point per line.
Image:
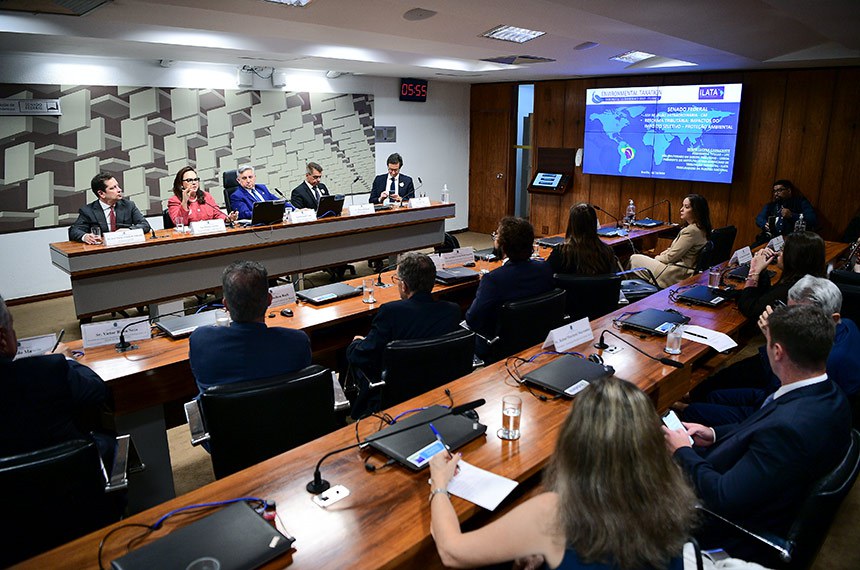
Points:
479	486
716	340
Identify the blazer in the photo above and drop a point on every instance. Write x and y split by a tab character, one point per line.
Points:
302	197
196	212
127	216
405	189
243	202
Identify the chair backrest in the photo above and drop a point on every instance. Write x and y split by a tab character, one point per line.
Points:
251	421
526	322
449	244
705	258
65	480
849	284
724	243
412	367
168	221
589	296
230	181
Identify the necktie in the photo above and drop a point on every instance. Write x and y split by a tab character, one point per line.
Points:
767	401
317	195
112	219
393	188
257	195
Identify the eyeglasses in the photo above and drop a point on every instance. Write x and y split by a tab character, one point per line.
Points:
780	190
395	278
191	180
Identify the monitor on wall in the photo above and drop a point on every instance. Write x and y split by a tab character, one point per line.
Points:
675	132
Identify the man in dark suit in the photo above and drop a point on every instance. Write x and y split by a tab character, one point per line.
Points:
247	349
757	472
110	212
416	316
242	199
394	186
307	194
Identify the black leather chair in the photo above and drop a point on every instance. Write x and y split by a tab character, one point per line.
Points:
724	243
526	322
849	284
589	296
57	494
230	181
248	422
166	219
705	259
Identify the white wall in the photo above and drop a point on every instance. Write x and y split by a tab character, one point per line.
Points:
432	137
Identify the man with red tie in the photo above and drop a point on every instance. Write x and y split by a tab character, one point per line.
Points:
110	212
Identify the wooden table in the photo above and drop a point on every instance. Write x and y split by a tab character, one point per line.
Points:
173	265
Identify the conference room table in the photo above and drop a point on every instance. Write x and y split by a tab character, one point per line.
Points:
385	521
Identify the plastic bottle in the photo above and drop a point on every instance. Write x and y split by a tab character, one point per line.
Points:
446	196
630	215
800	224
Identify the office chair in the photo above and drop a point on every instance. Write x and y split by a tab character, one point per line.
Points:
849	284
449	244
589	296
798	548
247	422
167	220
636	289
705	259
526	322
54	495
229	179
724	243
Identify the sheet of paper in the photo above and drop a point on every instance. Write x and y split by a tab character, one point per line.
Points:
480	486
716	340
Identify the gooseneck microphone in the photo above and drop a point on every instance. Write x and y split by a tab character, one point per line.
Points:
379	282
281	194
599	209
124	346
600	344
318	485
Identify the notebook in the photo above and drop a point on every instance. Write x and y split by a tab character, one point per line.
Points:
551	241
612	232
233	538
654	321
564	375
268	212
703	295
328	293
330	206
176	327
455	275
647	223
415	447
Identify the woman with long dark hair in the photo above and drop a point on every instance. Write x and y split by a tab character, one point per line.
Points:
583	252
190	203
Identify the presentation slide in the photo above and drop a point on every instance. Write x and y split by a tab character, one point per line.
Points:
677	132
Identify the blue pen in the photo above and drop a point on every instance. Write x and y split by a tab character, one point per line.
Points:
440	440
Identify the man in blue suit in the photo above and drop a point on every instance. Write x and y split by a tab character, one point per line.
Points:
758	472
247	349
393	186
243	198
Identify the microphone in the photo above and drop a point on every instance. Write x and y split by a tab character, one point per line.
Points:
600	344
279	193
124	346
379	282
652	206
420	182
599	209
357	178
318	484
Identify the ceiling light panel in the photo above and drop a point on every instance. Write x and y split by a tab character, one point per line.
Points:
512	34
297	3
632	56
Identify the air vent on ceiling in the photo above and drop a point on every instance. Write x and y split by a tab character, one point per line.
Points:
61	7
519	59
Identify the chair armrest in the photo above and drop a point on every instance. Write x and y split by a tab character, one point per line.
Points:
340	400
119	470
783	547
195	422
651	277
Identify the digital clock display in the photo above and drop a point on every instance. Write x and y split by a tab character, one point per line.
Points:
413	90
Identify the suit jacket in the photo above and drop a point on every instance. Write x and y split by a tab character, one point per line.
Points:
245	351
408	319
243	202
797	205
302	197
127	216
44	398
196	212
405	189
675	263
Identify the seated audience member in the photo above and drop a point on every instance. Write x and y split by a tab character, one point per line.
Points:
247	349
242	199
417	315
520	277
678	261
583	252
393	186
308	193
780	214
190	203
737	391
615	500
757	472
110	212
802	254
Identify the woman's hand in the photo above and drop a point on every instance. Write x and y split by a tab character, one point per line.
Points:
760	260
443	468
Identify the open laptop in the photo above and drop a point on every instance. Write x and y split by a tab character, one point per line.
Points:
268	212
455	275
328	293
741	272
563	376
415	447
177	327
654	321
551	241
232	538
703	295
330	206
488	254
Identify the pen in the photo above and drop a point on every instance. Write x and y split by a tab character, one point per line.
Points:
696	335
442	441
59	339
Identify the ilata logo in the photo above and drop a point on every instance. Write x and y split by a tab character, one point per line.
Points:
712	92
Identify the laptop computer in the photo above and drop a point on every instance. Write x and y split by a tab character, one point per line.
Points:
703	295
330	205
415	447
328	293
176	327
233	538
488	254
268	212
455	275
378	207
647	223
551	241
612	232
563	376
654	321
741	272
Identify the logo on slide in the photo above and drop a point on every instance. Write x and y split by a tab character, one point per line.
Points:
712	92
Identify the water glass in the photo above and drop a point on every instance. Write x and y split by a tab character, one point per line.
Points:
714	277
96	231
180	228
673	340
446	197
367	286
512	410
222	318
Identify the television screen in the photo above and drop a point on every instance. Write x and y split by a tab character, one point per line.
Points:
677	132
547	180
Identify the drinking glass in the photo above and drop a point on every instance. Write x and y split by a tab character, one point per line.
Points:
673	340
96	231
512	409
714	277
367	286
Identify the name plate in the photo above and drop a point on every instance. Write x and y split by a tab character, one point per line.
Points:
124	237
566	337
776	243
107	332
459	256
205	227
303	215
437	261
741	256
35	345
361	209
421	202
282	295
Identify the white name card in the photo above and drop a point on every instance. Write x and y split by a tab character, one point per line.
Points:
361	209
107	332
35	345
459	256
124	237
421	202
741	256
567	336
303	215
205	227
776	243
437	261
282	295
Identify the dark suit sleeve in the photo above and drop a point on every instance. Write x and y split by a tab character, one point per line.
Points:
82	225
298	198
240	202
377	189
408	190
486	299
87	387
366	354
137	218
761	219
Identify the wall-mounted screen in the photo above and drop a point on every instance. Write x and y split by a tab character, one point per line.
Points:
677	132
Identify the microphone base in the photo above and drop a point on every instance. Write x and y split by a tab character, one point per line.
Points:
318	487
380	285
125	347
601	345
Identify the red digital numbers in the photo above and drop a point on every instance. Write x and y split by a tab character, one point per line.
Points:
413	90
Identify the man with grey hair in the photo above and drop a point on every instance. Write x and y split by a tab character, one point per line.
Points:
726	405
247	349
417	315
243	198
307	194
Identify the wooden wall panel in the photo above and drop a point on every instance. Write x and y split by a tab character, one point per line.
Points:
550	119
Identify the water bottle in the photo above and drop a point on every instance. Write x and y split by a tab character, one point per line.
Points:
800	224
446	196
630	215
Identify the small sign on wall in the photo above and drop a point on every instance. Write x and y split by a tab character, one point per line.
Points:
30	107
386	134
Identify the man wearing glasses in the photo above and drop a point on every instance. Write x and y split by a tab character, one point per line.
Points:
307	194
109	213
779	215
242	200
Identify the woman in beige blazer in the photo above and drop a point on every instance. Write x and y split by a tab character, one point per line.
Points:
678	260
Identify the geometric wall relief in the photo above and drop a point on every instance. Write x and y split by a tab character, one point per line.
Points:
144	135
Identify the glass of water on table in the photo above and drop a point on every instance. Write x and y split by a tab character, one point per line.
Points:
512	409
